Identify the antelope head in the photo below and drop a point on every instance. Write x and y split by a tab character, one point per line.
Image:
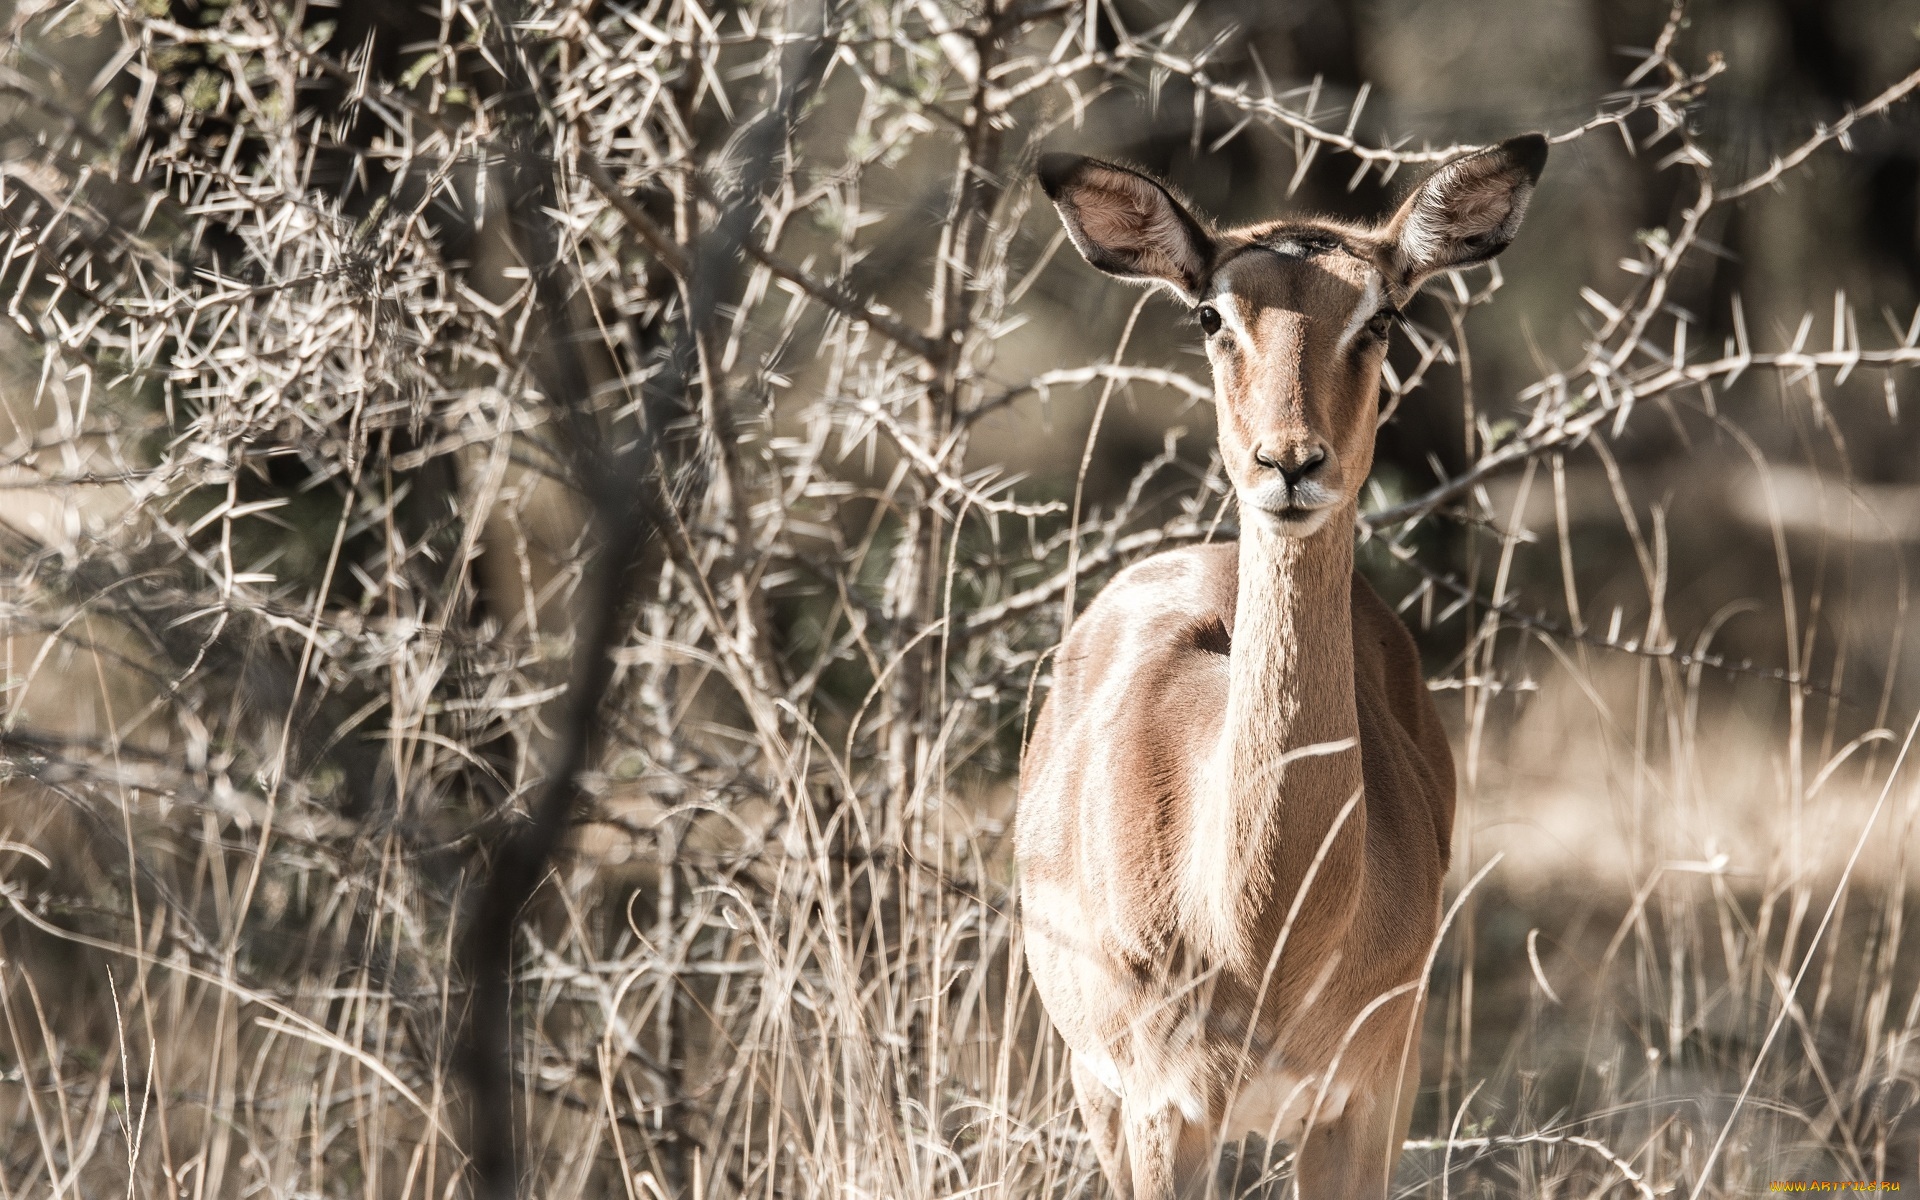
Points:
1296	313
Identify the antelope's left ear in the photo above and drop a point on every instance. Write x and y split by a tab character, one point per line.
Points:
1127	224
1467	211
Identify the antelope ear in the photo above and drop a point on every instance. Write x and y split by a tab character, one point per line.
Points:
1467	211
1127	224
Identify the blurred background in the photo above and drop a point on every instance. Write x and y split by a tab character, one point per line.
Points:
542	526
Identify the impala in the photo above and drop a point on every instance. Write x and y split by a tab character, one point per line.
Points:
1236	811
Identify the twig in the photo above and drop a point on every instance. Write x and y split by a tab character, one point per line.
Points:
1506	1141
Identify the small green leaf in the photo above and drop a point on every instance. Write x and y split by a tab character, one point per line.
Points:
202	93
412	76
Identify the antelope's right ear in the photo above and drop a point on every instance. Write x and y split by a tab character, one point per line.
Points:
1127	224
1467	211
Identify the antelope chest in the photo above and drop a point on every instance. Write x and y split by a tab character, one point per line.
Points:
1277	1104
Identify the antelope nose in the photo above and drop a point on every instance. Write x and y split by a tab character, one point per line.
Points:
1293	468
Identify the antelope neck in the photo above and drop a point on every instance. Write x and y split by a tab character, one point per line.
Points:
1288	759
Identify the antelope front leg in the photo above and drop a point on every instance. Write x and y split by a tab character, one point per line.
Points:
1172	1157
1353	1158
1100	1109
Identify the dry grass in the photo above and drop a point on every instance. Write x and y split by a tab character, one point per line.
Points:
588	423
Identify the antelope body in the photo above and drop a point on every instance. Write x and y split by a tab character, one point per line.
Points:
1236	810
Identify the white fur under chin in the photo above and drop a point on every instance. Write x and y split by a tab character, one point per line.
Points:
1293	523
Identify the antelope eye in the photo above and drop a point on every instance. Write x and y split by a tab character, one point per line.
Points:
1382	323
1209	319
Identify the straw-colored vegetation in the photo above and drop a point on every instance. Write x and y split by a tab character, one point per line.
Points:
532	534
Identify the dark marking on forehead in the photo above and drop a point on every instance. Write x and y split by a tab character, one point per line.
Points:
1299	256
1303	242
1295	244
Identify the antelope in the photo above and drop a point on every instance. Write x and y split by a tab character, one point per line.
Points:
1236	809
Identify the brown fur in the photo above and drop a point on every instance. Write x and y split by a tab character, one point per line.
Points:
1237	806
